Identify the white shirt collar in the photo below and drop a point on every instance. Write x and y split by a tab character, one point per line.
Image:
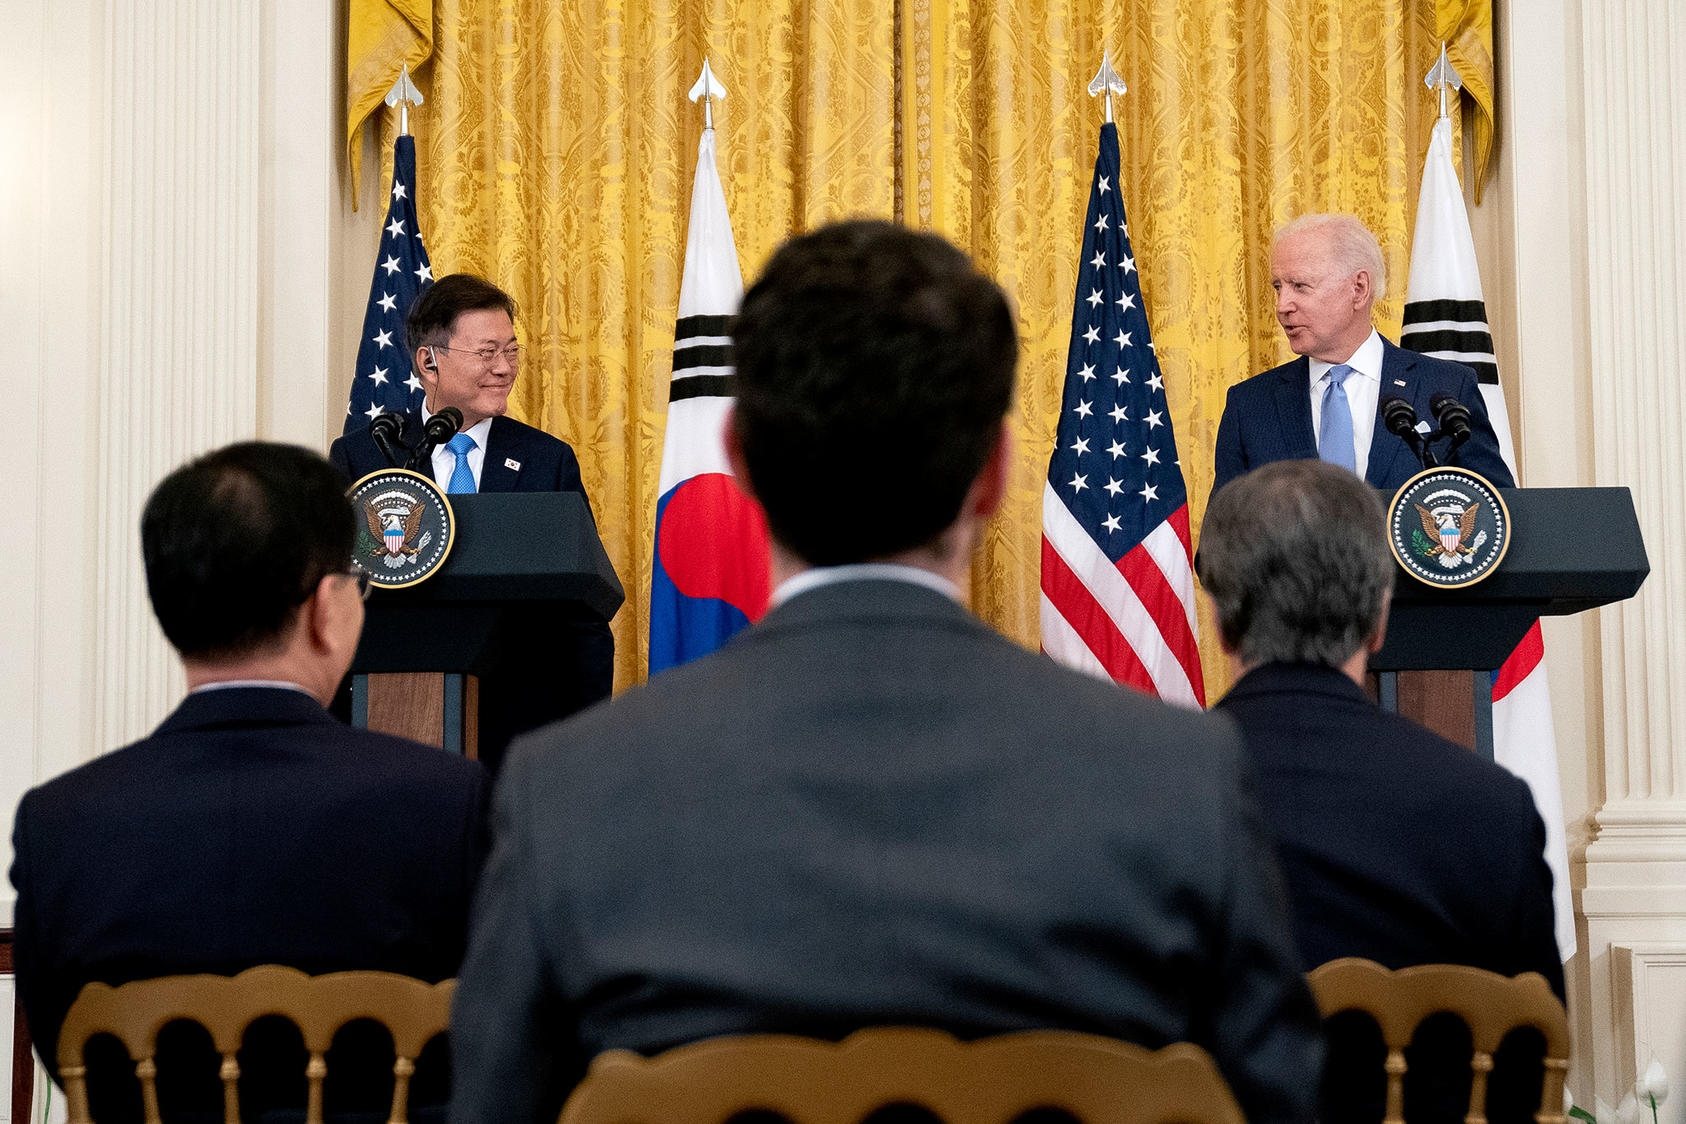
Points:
271	684
1366	361
862	571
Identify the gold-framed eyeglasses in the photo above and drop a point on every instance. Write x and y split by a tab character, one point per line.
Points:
361	577
487	355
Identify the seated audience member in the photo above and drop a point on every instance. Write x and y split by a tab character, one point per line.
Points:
871	808
1397	844
250	827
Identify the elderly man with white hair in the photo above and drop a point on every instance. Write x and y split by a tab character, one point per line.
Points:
1328	272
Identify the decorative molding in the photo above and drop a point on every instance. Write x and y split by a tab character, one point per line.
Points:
178	349
1649	989
1634	101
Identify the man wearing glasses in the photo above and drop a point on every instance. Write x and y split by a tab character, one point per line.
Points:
461	332
250	827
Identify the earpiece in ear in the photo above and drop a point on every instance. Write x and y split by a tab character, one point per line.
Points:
432	363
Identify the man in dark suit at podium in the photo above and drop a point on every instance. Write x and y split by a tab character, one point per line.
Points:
250	827
871	808
461	333
1327	271
1398	845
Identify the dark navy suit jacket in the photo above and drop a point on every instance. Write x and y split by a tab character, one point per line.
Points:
871	808
566	665
1268	418
251	827
547	464
1397	845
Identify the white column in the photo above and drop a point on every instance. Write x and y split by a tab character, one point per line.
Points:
179	279
1633	60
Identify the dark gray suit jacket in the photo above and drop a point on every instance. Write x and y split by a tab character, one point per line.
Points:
872	809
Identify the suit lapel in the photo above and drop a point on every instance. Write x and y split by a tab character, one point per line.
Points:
496	475
1293	410
1385	448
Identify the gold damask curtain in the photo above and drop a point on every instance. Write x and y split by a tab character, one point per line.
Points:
557	147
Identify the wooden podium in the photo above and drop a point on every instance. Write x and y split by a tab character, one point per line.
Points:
1571	549
521	606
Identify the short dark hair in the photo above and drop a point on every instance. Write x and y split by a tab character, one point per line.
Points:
1296	559
433	317
874	366
235	541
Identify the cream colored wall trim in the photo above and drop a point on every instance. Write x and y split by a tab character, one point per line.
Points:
1635	156
179	298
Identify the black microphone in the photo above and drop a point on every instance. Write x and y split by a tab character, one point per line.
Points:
440	428
385	429
1400	419
1453	417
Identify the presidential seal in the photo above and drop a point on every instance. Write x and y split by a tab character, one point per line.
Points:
1448	527
404	527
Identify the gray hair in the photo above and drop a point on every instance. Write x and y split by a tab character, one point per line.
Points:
1351	245
1295	556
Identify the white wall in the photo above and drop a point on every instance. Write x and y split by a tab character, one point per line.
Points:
180	269
1583	243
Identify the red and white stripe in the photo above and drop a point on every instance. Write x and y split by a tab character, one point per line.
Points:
1133	622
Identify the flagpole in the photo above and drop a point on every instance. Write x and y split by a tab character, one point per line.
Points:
402	95
707	88
1107	81
1441	75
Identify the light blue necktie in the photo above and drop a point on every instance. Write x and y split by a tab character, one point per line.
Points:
462	477
1334	443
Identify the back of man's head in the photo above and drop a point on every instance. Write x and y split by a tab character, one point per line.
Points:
1295	557
434	315
875	366
236	541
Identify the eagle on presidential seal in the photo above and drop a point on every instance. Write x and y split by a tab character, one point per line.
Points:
395	533
1452	527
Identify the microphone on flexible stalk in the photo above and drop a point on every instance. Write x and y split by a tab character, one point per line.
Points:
385	429
440	428
1453	417
1400	419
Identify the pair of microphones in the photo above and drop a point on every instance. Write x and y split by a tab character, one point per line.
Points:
440	428
1399	418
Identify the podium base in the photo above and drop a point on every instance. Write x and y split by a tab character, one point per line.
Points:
1457	705
440	709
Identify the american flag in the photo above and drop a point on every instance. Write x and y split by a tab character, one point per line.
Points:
1117	584
384	382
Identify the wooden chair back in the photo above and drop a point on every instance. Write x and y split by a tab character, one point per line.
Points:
1491	1006
989	1081
412	1011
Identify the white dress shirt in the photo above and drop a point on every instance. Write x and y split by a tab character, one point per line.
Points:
445	461
862	571
1363	391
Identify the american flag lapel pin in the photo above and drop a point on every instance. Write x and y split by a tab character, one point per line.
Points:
512	464
1398	382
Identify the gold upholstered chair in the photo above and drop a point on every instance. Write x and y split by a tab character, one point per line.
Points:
883	1072
1490	1005
412	1011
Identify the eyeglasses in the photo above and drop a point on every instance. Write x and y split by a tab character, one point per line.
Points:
361	577
487	355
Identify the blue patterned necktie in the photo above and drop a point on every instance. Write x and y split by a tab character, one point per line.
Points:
1334	442
462	477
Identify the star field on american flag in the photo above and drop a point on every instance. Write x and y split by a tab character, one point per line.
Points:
1115	461
1117	583
383	382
